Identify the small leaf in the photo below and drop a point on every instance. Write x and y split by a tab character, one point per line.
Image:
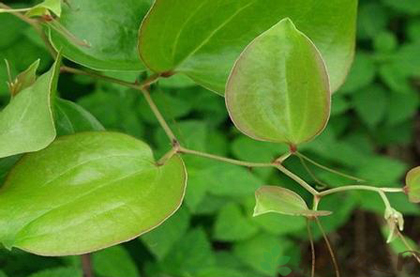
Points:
272	199
278	90
45	8
110	30
412	187
86	192
395	221
27	123
24	80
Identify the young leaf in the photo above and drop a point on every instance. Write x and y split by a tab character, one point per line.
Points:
202	39
272	199
412	187
86	192
278	90
110	29
26	123
24	79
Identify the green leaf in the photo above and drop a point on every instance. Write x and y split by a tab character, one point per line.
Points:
189	255
116	111
6	165
202	39
2	274
232	225
24	80
385	42
402	107
45	7
369	26
371	104
412	188
72	118
11	28
278	90
27	123
262	253
272	199
86	192
58	272
114	262
407	6
161	240
381	170
274	223
361	74
109	29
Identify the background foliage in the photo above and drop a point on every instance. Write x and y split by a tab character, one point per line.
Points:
371	134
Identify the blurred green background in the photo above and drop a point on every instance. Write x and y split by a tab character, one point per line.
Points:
373	134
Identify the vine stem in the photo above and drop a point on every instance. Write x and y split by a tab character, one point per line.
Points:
405	242
330	249
223	159
300	155
158	115
144	88
380	191
311	240
67	69
87	265
37	27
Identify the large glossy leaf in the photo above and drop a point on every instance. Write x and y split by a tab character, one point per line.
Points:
272	199
86	192
109	28
278	89
412	181
26	123
203	38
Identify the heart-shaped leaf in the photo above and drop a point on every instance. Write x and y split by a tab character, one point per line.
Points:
86	192
273	199
109	28
278	90
412	187
27	123
202	38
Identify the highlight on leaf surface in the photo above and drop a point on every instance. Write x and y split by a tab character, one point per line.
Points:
86	192
99	35
278	89
27	122
412	187
273	199
202	39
